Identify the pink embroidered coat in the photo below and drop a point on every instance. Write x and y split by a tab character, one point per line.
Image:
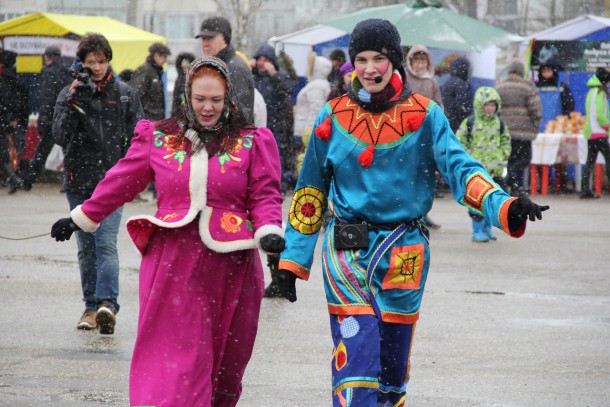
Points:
201	281
237	194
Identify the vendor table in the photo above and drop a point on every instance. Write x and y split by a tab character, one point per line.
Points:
550	149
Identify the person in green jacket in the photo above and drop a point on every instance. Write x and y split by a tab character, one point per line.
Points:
485	136
597	126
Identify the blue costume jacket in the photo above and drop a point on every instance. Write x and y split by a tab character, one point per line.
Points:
411	140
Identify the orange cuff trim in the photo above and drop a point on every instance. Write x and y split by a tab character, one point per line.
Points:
477	189
504	220
400	318
346	310
300	271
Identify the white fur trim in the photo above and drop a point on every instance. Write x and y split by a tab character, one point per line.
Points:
220	247
264	231
82	221
198	180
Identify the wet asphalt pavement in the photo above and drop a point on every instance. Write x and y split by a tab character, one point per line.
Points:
512	323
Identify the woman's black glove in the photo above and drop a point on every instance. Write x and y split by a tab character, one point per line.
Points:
521	209
272	243
286	282
63	229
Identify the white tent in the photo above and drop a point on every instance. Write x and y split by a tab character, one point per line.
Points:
299	44
571	29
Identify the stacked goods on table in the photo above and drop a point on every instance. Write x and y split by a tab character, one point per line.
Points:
563	124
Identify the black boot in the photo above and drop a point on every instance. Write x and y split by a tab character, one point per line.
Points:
273	290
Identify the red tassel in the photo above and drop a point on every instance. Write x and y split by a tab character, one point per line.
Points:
414	120
366	157
324	129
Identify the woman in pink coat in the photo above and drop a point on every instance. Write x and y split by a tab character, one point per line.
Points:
201	279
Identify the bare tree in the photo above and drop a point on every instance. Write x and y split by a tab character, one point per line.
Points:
244	12
467	7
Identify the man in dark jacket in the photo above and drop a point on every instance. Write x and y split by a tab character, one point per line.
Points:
276	87
147	80
215	35
94	121
53	79
457	93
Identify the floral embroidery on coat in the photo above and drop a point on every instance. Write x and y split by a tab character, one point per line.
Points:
244	142
176	149
232	223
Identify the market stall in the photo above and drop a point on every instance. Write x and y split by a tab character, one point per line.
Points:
29	35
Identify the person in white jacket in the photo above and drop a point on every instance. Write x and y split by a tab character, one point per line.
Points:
313	95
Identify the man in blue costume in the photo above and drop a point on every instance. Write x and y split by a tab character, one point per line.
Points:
372	161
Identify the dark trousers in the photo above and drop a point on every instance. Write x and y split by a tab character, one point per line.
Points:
519	159
599	145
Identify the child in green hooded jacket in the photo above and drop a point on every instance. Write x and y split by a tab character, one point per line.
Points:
485	137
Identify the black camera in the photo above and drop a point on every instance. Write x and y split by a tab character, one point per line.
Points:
351	236
85	87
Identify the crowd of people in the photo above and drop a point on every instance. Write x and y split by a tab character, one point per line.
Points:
361	153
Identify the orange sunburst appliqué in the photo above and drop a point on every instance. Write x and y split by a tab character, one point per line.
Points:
381	128
406	266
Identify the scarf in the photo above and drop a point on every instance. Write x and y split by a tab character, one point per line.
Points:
396	90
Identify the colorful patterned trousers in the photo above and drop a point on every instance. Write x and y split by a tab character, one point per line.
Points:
370	364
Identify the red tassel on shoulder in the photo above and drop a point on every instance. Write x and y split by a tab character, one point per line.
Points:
366	157
414	120
324	129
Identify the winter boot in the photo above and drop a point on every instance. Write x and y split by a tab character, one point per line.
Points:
487	230
477	232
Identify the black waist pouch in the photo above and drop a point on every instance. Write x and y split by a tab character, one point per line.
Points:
351	236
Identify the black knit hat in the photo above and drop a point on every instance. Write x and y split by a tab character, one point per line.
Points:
212	26
378	35
52	52
602	75
159	48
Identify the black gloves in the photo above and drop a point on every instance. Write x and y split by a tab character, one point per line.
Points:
272	243
521	209
63	229
286	283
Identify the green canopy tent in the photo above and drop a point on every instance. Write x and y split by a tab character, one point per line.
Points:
444	31
428	23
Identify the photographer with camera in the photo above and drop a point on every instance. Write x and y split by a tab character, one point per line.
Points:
94	121
372	161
